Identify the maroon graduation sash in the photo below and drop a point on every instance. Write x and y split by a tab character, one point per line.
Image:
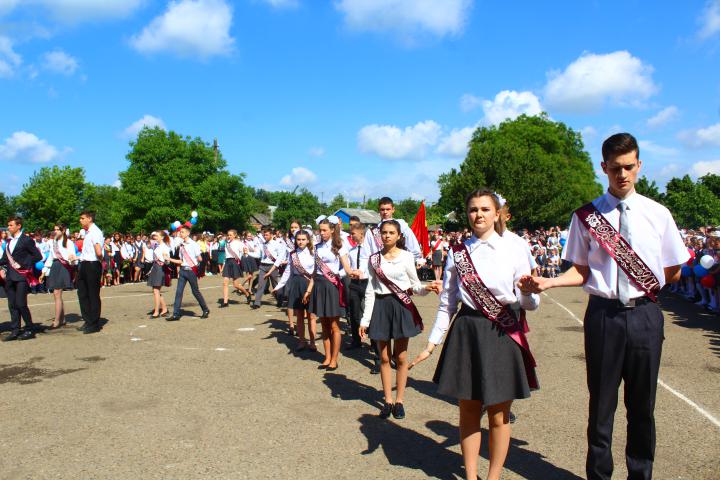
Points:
233	254
191	261
491	307
619	249
26	273
377	237
400	294
267	253
332	278
63	262
290	244
295	260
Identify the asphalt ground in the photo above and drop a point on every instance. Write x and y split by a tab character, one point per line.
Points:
227	397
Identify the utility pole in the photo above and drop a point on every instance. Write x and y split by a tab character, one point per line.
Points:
215	151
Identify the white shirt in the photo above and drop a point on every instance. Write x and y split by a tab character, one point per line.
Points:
276	249
14	240
500	262
193	250
411	243
64	252
160	252
127	251
401	271
234	249
523	243
323	251
307	260
253	248
362	264
149	254
653	235
93	236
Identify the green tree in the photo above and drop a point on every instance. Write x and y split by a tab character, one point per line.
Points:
712	182
538	165
53	194
103	200
302	206
692	204
7	207
337	203
649	189
169	176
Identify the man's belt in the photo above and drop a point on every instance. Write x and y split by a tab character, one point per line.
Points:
616	304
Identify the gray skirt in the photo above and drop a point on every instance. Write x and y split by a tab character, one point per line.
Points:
437	258
325	299
156	277
232	269
248	264
390	320
295	289
59	278
480	362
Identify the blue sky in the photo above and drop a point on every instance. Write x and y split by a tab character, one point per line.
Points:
359	97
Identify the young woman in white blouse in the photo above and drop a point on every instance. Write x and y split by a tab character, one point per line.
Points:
386	317
159	251
62	263
296	279
232	272
325	292
485	363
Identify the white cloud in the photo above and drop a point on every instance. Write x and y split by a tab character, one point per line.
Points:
189	28
703	168
469	102
455	143
664	116
652	147
702	137
282	3
593	80
669	170
75	11
7	5
298	176
146	121
710	20
406	18
58	61
316	151
588	133
27	147
510	104
391	142
9	59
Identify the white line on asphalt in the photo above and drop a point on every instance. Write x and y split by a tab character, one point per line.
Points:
667	387
111	298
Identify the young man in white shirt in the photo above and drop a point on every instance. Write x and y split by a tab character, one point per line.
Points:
190	258
623	323
90	273
272	254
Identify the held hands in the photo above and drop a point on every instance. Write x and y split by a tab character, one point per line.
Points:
529	284
435	286
306	298
363	333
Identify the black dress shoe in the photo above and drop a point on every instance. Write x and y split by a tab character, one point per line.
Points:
172	318
11	337
322	367
224	305
398	411
205	314
386	410
91	330
512	417
332	369
26	335
375	369
81	328
254	307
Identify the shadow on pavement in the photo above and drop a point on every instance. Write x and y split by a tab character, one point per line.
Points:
346	388
280	334
692	316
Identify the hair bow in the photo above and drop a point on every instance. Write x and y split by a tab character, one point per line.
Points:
501	199
333	219
320	219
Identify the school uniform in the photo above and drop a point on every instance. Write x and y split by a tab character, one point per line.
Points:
272	253
189	252
295	281
62	271
479	360
325	298
25	255
88	279
372	242
356	291
438	247
156	277
385	316
233	258
623	328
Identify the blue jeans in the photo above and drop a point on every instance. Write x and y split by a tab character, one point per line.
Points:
187	276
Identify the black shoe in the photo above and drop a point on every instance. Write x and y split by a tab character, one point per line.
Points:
332	369
205	314
11	337
386	410
322	367
512	417
91	330
398	411
375	369
172	318
254	307
224	305
27	335
249	299
81	328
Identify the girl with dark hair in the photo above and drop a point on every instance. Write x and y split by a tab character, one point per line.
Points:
390	314
159	274
295	280
117	243
62	262
325	291
249	261
486	362
233	267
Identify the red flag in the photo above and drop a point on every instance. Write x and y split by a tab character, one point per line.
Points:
419	228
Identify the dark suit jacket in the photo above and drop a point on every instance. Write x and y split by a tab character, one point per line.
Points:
25	253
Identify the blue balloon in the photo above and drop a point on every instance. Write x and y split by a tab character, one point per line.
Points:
700	271
39	265
77	250
173	227
562	242
686	271
193	220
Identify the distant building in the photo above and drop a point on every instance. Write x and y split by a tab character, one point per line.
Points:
367	217
260	220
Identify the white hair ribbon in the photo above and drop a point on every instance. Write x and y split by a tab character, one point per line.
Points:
333	219
320	219
501	199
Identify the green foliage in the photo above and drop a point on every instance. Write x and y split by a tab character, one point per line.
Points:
103	200
7	207
53	194
538	165
170	175
692	204
337	203
712	182
302	206
648	188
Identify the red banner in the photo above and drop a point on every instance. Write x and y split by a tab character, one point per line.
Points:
420	229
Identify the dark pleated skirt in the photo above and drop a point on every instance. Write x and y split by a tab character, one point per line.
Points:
59	278
325	299
437	258
156	277
390	320
295	289
480	362
232	269
248	264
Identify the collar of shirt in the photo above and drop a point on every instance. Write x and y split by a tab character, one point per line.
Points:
474	242
613	201
17	235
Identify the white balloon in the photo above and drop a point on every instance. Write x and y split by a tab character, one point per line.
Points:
177	223
707	262
193	214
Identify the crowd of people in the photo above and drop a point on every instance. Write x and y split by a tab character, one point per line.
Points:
622	248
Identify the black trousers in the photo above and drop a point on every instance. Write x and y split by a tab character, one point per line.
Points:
356	297
88	291
622	344
187	276
17	292
262	282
